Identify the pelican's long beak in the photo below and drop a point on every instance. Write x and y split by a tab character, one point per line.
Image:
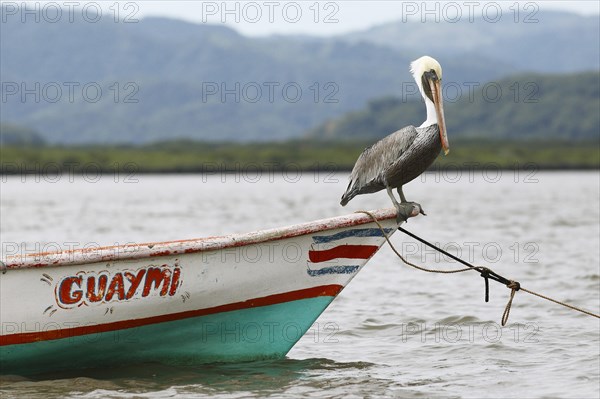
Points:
436	91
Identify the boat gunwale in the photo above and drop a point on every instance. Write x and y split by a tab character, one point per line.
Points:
187	246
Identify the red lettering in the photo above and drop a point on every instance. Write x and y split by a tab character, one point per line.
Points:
66	294
155	277
116	285
94	295
104	287
135	281
175	281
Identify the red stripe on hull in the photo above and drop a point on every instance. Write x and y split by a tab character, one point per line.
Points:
28	337
343	251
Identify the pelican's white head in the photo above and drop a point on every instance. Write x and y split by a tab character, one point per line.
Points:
428	75
425	64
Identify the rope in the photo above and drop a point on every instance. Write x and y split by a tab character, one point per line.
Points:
561	303
485	272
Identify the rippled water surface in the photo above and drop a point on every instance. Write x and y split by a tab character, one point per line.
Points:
394	331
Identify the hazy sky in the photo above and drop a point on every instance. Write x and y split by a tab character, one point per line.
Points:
333	17
328	17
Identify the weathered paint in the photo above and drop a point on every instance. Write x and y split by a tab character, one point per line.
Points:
74	296
138	251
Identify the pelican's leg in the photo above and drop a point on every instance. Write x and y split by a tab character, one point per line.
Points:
391	194
401	194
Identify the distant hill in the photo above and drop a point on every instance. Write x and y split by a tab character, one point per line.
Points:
548	107
530	40
163	79
19	136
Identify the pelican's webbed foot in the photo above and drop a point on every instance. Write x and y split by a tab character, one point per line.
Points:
407	210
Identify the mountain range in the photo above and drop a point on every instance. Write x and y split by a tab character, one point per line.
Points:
161	79
523	107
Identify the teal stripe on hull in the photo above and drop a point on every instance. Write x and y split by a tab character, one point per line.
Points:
240	335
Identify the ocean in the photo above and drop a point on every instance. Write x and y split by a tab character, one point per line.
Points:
394	331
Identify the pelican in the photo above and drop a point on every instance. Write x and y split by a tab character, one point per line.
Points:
403	155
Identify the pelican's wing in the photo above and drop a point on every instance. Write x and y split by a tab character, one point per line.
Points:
375	160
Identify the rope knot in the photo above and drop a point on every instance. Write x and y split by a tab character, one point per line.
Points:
514	285
485	273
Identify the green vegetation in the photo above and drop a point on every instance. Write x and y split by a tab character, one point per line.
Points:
541	107
188	156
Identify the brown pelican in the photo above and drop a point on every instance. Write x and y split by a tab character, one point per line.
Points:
402	156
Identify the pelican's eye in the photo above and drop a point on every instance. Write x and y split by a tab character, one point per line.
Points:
431	74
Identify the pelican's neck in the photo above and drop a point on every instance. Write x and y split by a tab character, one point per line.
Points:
431	115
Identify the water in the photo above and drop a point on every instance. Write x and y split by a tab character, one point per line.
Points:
394	331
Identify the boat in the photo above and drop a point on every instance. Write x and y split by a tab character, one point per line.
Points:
231	298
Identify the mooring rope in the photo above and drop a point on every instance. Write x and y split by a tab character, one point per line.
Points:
484	272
